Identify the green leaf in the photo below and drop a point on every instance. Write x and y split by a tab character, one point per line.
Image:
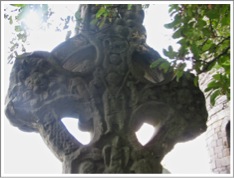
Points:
189	12
213	96
213	85
207	45
18	28
129	6
201	23
177	34
165	66
157	63
195	50
206	32
173	7
217	76
100	12
174	23
170	48
225	21
183	51
195	81
216	66
179	74
213	14
18	5
170	53
226	64
182	42
224	60
170	25
10	20
102	22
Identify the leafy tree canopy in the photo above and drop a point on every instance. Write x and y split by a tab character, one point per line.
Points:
202	30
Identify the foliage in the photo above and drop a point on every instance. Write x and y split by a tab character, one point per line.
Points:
110	12
15	14
105	12
203	32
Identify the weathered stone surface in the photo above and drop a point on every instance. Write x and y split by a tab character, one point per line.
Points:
103	78
218	137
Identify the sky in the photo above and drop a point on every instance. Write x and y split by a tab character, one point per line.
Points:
26	153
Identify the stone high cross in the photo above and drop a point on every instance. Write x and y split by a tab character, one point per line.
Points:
102	77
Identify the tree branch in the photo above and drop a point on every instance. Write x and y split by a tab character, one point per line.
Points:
213	60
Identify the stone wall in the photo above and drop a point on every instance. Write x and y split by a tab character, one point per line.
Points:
218	131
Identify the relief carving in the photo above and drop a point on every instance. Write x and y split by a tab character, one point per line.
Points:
102	77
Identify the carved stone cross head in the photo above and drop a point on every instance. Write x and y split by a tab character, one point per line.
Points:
103	78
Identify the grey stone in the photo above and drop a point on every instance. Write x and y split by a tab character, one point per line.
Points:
102	76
